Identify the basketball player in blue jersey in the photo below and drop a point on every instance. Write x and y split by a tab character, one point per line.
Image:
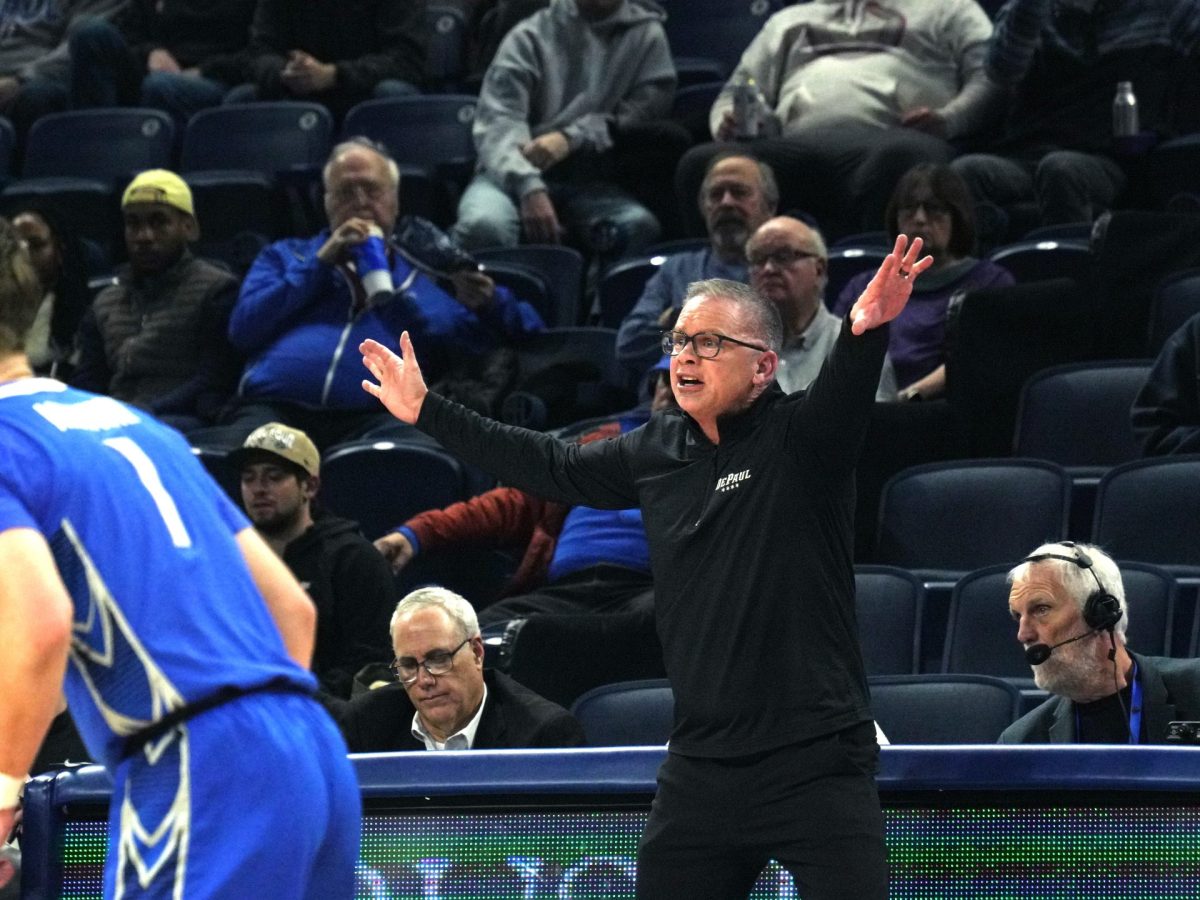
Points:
122	564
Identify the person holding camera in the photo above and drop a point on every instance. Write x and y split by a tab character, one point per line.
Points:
1069	604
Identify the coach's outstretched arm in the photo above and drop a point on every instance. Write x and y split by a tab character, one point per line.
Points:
35	635
401	386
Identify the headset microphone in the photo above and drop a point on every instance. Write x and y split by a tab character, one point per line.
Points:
1036	654
1101	610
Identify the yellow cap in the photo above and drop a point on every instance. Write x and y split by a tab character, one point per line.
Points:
159	186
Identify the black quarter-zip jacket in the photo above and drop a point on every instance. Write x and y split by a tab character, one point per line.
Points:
751	545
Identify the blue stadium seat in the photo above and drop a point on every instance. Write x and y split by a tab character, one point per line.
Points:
1042	260
269	138
943	709
239	214
562	268
1149	510
845	263
1077	415
875	240
944	519
981	637
692	105
889	603
109	145
430	130
627	714
1176	300
526	283
445	60
237	148
380	484
1074	232
620	287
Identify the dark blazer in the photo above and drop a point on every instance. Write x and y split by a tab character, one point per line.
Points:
514	717
1170	692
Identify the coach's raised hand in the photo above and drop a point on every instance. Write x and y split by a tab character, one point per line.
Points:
401	387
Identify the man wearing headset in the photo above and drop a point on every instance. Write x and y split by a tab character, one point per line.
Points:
1068	601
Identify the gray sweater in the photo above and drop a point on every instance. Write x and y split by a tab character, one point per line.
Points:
558	72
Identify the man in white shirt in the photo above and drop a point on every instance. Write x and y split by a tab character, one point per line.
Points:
444	699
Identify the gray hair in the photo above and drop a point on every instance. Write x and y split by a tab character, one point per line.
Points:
453	605
766	176
357	142
761	314
1077	580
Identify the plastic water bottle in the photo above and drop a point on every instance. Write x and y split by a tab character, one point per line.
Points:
1125	111
748	107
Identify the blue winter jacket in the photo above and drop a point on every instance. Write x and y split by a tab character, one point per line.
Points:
298	325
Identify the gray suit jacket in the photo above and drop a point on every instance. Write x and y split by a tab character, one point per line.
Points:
1170	692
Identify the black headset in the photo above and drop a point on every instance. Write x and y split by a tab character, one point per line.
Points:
1101	611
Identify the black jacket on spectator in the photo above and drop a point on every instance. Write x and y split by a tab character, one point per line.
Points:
1166	413
514	717
352	587
368	40
160	342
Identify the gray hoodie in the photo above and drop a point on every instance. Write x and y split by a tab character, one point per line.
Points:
558	72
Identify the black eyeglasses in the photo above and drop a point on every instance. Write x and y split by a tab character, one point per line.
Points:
932	208
707	344
439	662
782	258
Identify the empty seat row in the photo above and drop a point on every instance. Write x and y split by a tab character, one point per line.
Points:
915	709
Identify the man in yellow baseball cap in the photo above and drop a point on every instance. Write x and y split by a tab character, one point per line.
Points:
157	337
160	220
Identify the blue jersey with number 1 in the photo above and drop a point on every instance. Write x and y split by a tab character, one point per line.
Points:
165	609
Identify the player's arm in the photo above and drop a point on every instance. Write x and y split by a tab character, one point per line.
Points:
35	635
290	607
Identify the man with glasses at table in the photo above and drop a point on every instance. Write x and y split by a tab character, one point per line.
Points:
444	699
747	495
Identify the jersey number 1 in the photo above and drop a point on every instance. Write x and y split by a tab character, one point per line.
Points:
148	474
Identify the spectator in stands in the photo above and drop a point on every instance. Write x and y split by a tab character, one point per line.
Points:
574	559
35	58
156	338
336	52
353	590
858	93
1060	61
58	258
737	195
1069	602
303	307
1166	412
179	56
788	267
572	89
931	201
445	699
